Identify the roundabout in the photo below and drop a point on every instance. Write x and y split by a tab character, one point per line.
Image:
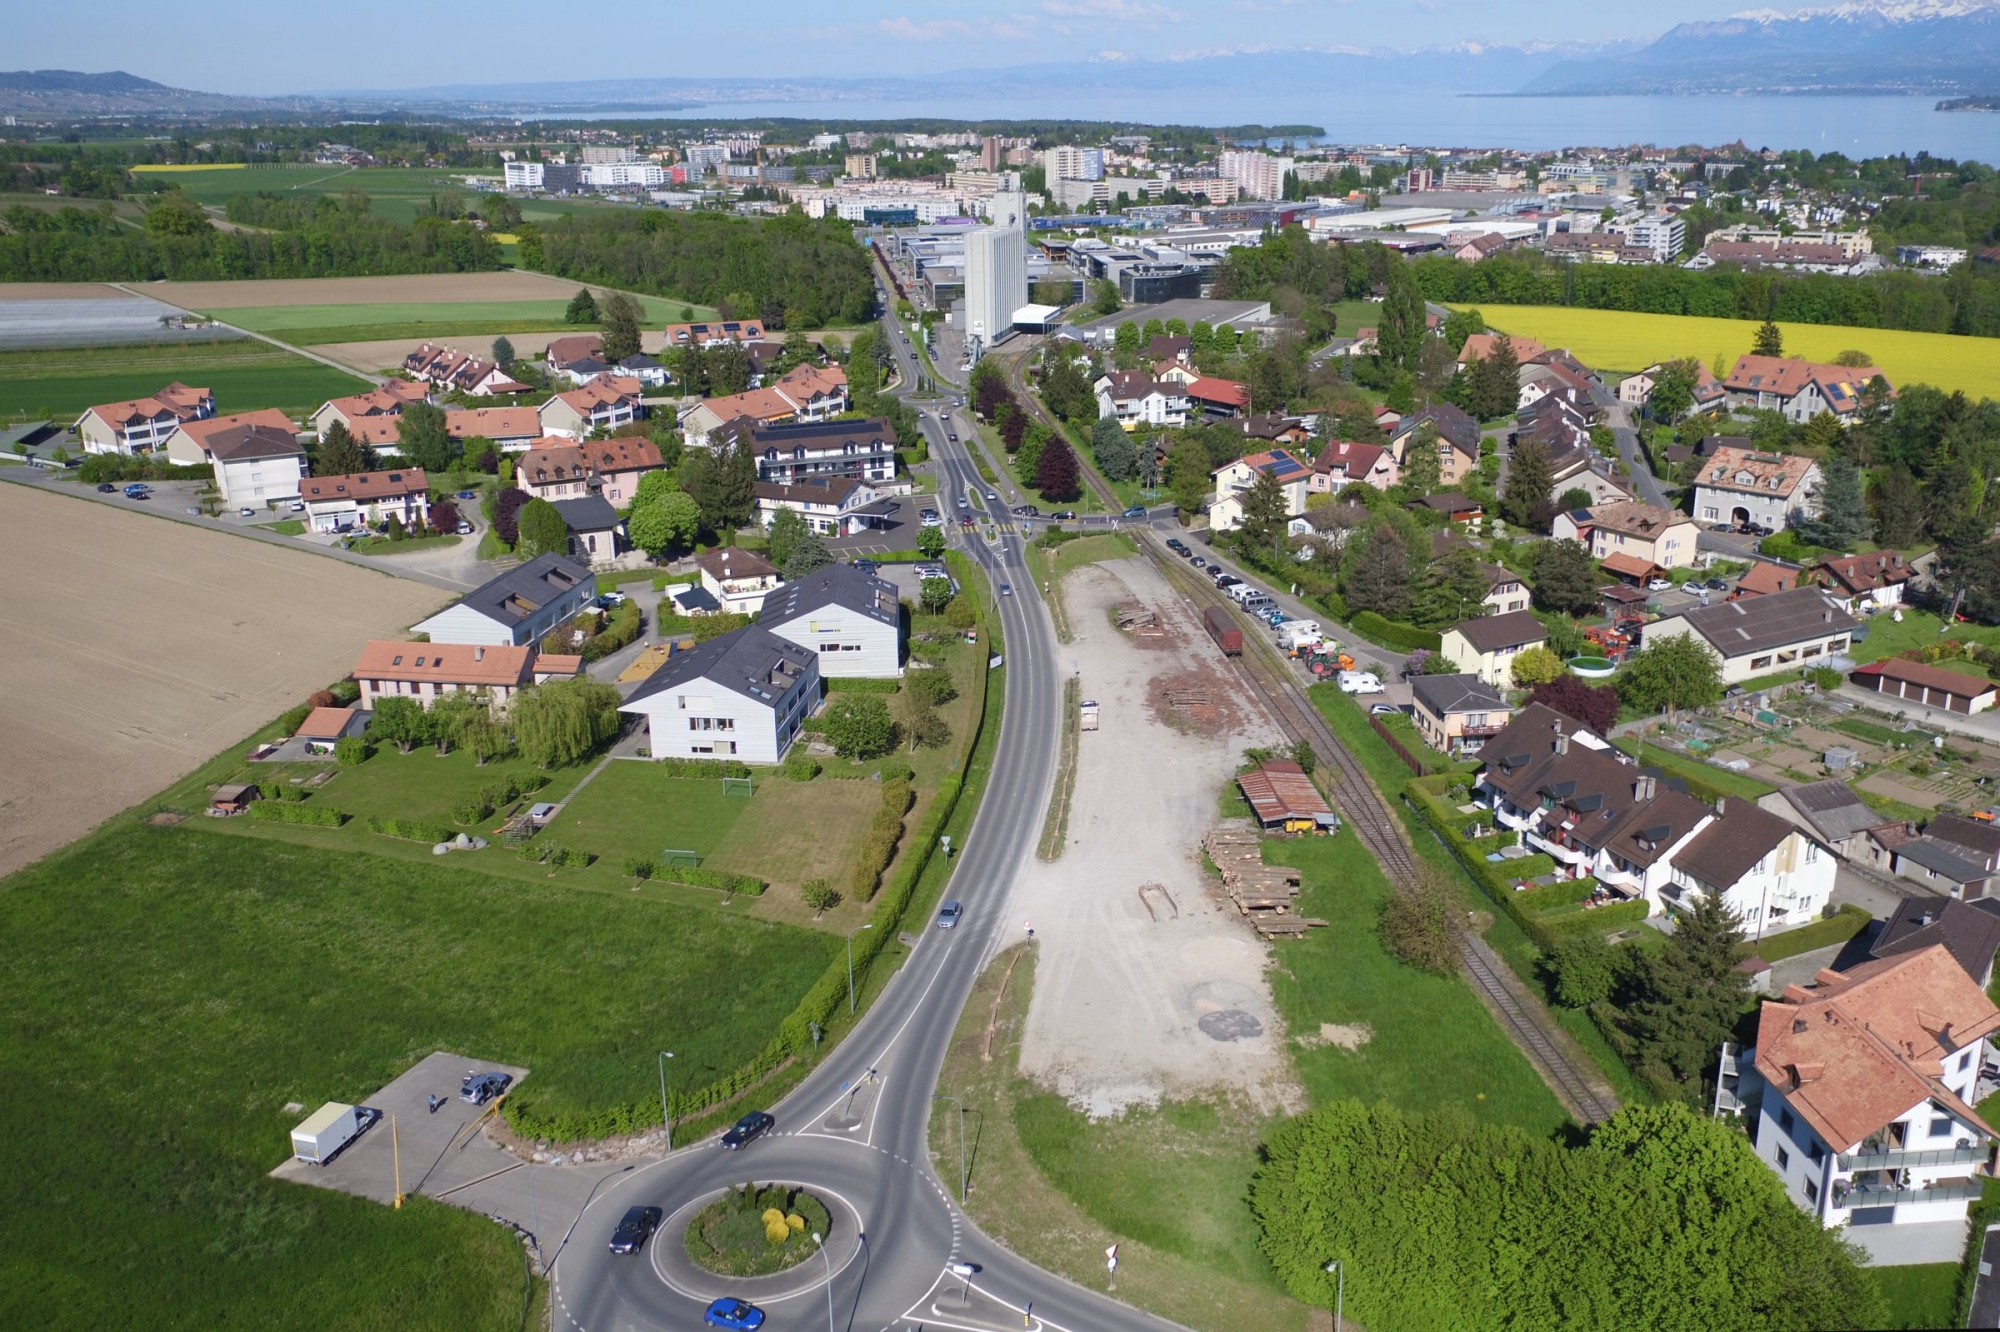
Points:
810	1266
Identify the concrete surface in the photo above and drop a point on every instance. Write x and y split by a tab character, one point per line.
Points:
1911	1243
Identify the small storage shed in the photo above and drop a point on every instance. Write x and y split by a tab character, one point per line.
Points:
234	798
1281	795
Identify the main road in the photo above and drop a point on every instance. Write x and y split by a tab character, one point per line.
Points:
856	1131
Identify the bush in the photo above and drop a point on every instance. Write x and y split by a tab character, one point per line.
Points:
933	687
801	766
695	877
861	686
351	750
1391	633
1422	923
413	830
289	723
879	846
639	867
282	811
698	768
1837	928
471	810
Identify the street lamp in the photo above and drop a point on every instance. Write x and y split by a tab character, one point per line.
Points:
940	1096
829	1278
850	963
666	1118
1339	1270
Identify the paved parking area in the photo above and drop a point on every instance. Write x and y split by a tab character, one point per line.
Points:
898	533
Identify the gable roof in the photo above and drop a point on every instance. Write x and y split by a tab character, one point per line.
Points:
1444	694
752	661
830	493
1733	628
511	597
1635	519
1787	376
564	352
493	423
727	562
1977	836
1279	789
467	664
1935	678
255	439
1283	464
204	431
1730	847
1832	809
834	585
1453	426
1763	579
587	513
561	458
1225	391
1356	460
1969	934
1480	345
1866	573
365	486
1491	632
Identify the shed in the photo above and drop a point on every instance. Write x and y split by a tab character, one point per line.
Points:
1630	567
1932	686
234	798
1618	597
1839	758
324	727
1281	795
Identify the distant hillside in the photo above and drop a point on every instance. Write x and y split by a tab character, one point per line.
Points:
1927	46
68	92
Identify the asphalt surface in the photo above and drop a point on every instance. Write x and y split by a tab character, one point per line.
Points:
856	1131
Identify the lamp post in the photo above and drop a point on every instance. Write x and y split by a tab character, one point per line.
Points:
666	1119
829	1278
961	1142
850	963
1339	1270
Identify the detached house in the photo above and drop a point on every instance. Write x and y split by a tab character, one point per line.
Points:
1663	538
1862	1091
1234	481
737	580
605	403
518	607
740	696
1742	486
608	468
1218	399
840	507
1486	647
1457	440
255	455
822	451
1799	389
143	424
1134	398
343	503
1343	463
1757	636
1864	582
1457	714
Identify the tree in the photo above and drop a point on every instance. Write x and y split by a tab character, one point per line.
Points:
543	531
784	534
449	714
401	722
1596	706
1897	503
1537	666
1842	522
1056	473
1403	328
819	896
858	726
1769	340
1670	674
503	352
1496	381
339	454
1454	590
930	542
1265	514
1673	390
666	523
1460	325
1531	477
621	327
1423	922
424	439
1690	992
562	722
727	368
1565	578
808	553
176	215
507	514
1379	578
935	594
1823	435
1583	968
723	480
1104	297
444	516
922	724
1422	465
934	686
582	308
1126	338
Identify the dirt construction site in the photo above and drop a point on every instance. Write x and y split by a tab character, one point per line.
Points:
1149	986
143	647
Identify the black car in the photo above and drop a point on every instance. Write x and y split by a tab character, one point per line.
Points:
637	1227
747	1130
479	1088
1065	516
866	566
106	488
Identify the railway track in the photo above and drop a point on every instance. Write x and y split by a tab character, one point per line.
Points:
1482	968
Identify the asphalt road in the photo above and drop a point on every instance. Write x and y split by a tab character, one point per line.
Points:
856	1130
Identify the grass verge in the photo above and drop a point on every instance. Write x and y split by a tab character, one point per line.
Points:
1055	827
1925	1295
1704	779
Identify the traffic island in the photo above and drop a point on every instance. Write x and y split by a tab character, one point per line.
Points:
752	1232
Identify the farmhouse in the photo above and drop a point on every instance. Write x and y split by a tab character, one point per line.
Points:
1742	486
1661	537
610	468
517	607
427	672
739	696
1783	631
143	424
853	620
1234	480
343	503
1486	647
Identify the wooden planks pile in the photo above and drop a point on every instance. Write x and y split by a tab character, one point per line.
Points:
1263	893
1137	618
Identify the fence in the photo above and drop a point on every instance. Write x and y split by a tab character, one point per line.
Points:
1410	761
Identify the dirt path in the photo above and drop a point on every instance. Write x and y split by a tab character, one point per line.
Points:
1133	1004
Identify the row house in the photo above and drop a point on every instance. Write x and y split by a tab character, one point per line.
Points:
605	403
1134	398
509	429
427	672
142	424
455	372
714	334
610	469
343	503
386	401
808	394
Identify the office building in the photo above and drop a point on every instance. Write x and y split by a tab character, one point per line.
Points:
996	280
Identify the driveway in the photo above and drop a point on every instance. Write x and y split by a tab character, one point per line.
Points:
1643	480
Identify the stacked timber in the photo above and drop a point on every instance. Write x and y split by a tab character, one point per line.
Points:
1265	894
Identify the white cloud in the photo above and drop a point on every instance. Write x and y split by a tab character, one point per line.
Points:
930	30
1119	11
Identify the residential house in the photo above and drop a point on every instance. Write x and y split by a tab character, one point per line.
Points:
1455	507
343	503
1134	398
1234	480
1864	582
1479	247
509	429
1975	839
1480	345
852	620
1932	686
1343	463
738	580
1218	399
1505	592
1833	813
562	353
427	672
714	334
605	403
1584	468
1457	714
595	529
517	607
1173	372
1555	421
143	424
387	401
1171	347
740	696
1486	647
1661	537
255	455
839	507
1637	390
610	468
802	452
1763	578
1561	375
1799	389
705	420
1969	931
1861	1098
326	727
1457	436
1786	631
817	393
1742	486
456	372
1942	867
1771	873
649	372
1269	428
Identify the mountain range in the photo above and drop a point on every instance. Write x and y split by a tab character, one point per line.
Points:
1945	47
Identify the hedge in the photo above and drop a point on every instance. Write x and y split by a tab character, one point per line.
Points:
285	811
879	847
1838	928
699	768
708	878
414	830
862	686
1390	633
1554	895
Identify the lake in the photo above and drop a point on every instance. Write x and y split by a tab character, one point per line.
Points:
1857	126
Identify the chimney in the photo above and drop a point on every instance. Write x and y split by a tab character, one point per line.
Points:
1562	743
479	654
1718	807
1643	788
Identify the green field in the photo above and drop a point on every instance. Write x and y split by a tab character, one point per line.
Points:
394	192
245	376
634	809
282	320
1618	340
1922	1296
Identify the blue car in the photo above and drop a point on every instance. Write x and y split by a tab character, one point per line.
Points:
734	1314
1136	511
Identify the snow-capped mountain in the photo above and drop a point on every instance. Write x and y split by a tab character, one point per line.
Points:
1942	46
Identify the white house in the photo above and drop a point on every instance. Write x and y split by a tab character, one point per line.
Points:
1134	398
1753	636
1742	486
518	607
1234	480
1771	873
1486	647
740	696
840	507
143	424
342	503
1861	1090
255	455
1657	536
605	403
851	619
737	579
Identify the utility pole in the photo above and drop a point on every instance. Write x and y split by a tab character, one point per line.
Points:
1339	1270
666	1118
396	1148
961	1142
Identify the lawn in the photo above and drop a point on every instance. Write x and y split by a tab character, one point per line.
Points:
419	784
1419	1041
245	375
284	321
1695	770
635	809
1887	637
790	831
1628	341
171	990
385	546
1922	1296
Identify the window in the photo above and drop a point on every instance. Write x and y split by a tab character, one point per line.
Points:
1784	1158
1812	853
1816	1152
1941	1126
1812	1192
1759	663
1785	1120
1964	1061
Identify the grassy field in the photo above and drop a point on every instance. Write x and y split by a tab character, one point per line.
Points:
1625	341
634	809
1721	779
172	989
790	832
1921	1296
1887	637
282	320
244	375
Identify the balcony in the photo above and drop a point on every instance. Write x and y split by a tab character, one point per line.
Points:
1569	855
1892	1159
1879	1195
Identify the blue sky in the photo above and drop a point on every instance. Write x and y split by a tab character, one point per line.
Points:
258	46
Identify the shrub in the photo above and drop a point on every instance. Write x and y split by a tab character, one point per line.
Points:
289	723
282	811
288	793
933	687
639	867
1422	922
879	846
695	877
801	766
414	830
958	613
697	768
350	750
861	686
1392	633
345	692
472	809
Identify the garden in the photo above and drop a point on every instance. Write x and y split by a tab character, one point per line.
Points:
752	1231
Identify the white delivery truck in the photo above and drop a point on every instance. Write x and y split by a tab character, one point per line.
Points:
1295	634
329	1129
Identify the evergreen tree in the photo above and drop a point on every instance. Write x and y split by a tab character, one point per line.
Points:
621	328
1824	436
692	372
1769	340
1496	381
503	352
424	439
1402	330
1898	506
543	531
1453	590
1264	514
1113	449
1564	576
1968	568
339	454
807	554
1690	992
582	308
1422	467
1842	522
727	367
1056	474
1379	578
1531	476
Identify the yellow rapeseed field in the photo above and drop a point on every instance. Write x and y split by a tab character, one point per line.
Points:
196	166
1616	340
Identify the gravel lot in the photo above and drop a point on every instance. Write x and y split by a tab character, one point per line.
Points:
150	647
1119	1002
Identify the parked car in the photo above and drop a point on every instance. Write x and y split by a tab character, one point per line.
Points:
747	1130
1716	585
1722	527
1358	682
864	564
246	512
635	1229
1065	516
106	488
611	599
736	1315
930	518
1027	511
948	915
1659	585
1384	710
465	529
468	494
297	506
479	1088
1195	561
1136	511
